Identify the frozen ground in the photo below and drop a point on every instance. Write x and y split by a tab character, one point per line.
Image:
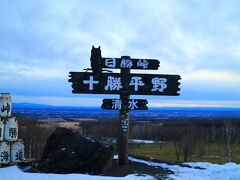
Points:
230	171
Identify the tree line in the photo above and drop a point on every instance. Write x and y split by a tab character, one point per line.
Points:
188	136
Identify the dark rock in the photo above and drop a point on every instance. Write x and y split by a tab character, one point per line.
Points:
69	152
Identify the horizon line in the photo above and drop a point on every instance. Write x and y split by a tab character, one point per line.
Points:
95	106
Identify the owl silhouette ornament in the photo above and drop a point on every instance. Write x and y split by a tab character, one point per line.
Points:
96	63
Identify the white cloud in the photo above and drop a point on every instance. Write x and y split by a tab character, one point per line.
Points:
189	103
220	76
234	50
193	46
47	39
13	70
58	101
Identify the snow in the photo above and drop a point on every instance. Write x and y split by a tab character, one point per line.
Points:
210	171
14	173
140	141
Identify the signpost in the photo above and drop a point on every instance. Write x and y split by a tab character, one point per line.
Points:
123	84
131	104
113	83
128	63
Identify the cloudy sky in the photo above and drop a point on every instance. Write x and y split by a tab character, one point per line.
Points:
41	41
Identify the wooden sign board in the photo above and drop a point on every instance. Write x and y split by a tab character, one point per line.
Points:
138	84
128	63
131	104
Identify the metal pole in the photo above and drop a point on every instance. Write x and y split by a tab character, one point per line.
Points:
123	125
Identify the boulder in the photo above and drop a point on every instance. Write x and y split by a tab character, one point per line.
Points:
69	152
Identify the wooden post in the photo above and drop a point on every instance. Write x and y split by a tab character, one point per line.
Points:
123	125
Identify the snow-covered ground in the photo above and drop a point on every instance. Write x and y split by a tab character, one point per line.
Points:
140	141
230	171
14	173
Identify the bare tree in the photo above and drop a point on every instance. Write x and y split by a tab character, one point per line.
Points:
178	148
228	130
